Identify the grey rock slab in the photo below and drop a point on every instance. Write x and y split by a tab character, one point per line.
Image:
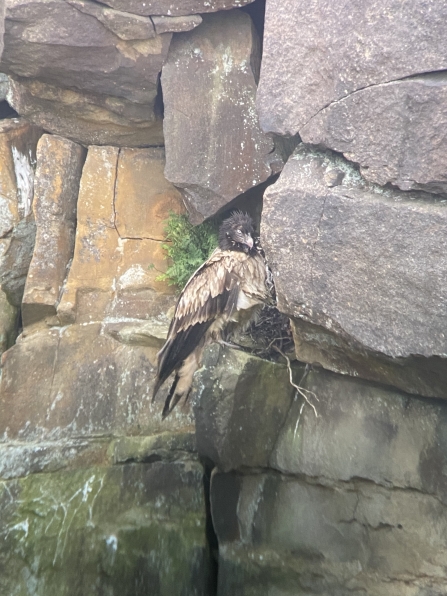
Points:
80	383
395	131
2	24
366	264
125	25
241	403
341	48
215	149
286	535
120	530
164	24
4	85
364	430
85	117
56	187
57	44
170	8
152	333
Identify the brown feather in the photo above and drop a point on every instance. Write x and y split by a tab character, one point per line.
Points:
228	283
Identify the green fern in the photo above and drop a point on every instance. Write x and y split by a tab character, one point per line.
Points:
189	246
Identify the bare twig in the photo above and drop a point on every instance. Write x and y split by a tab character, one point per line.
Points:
299	389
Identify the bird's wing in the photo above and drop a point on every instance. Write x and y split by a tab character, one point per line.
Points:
211	291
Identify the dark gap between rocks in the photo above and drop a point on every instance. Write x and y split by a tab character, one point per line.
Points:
211	536
6	111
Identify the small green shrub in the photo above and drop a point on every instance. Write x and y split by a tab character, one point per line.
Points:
189	246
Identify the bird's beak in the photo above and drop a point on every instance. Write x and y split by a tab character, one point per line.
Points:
248	241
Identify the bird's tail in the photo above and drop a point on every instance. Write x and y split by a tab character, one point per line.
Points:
182	382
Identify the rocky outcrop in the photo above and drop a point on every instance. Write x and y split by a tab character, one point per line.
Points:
277	476
59	166
340	50
407	149
215	149
368	259
118	255
354	506
138	533
82	62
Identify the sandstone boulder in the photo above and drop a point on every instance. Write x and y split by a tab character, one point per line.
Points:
341	49
124	530
18	140
241	403
80	383
407	149
88	118
57	44
58	172
286	535
215	149
365	265
170	8
118	250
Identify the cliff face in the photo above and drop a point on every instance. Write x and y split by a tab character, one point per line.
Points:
113	116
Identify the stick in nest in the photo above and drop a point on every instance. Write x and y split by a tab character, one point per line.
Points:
299	389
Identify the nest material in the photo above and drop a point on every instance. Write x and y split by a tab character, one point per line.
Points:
270	330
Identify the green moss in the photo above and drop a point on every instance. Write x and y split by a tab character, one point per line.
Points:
187	248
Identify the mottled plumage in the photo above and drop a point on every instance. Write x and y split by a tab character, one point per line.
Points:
225	292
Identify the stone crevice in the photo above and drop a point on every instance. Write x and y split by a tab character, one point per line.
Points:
375	85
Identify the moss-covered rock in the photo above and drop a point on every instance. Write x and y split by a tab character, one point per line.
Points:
126	530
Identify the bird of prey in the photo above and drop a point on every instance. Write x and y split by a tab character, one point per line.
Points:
225	293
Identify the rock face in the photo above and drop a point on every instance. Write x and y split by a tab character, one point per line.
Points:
83	62
215	149
88	118
407	149
355	505
320	476
170	8
368	259
2	25
59	167
18	142
117	259
138	534
341	50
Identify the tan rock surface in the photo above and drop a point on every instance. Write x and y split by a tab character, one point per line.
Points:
88	118
112	274
58	172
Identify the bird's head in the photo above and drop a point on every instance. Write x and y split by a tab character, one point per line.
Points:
237	233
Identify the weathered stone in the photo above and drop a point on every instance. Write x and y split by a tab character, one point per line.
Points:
18	140
52	41
166	446
168	7
408	148
285	535
58	172
364	431
8	323
18	459
215	149
16	258
124	531
112	274
144	198
4	85
2	24
80	382
151	333
125	25
341	49
241	403
368	260
165	24
87	118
